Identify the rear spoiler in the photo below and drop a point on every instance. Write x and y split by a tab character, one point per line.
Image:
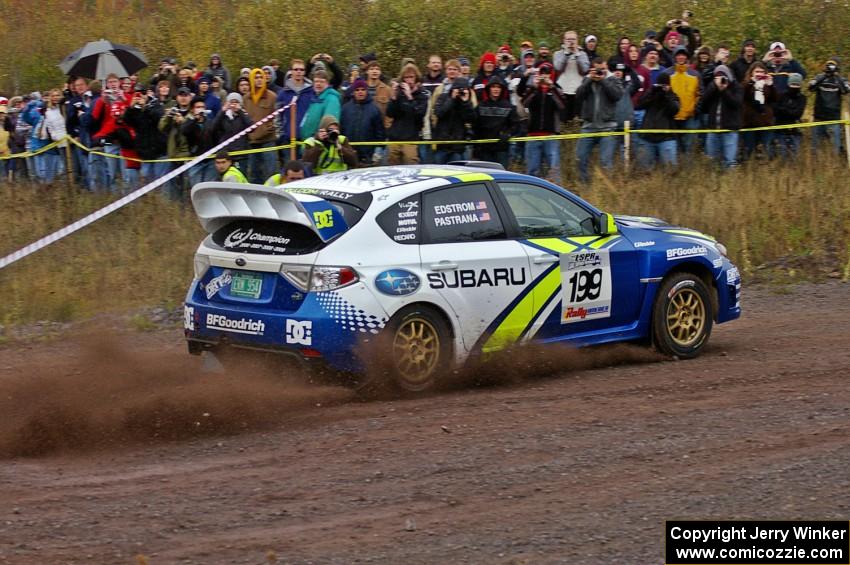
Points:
220	203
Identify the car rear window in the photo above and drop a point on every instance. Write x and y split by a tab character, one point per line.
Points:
267	237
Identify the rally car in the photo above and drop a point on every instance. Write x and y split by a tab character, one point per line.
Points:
447	264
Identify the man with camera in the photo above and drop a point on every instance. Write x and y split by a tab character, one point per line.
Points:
174	116
780	64
407	109
362	121
598	96
545	102
722	101
151	144
453	109
505	62
829	88
76	106
329	151
197	128
572	65
106	113
661	105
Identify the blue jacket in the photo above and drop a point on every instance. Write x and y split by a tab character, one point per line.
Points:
32	115
362	121
284	97
328	103
213	104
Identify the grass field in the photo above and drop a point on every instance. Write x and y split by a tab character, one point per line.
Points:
778	222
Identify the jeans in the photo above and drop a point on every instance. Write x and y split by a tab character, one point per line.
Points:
261	165
442	156
687	140
426	153
80	159
584	148
751	140
203	172
787	144
831	133
129	177
723	146
652	152
98	172
483	153
538	152
53	164
151	171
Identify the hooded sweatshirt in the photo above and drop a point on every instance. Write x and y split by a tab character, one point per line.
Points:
496	119
723	107
290	90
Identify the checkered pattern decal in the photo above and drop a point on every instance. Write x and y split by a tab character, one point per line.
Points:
346	315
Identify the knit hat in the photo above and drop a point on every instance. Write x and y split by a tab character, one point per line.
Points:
795	80
488	57
328	121
680	49
527	52
245	71
505	48
359	83
269	69
650	34
234	96
464	61
206	78
748	42
543	45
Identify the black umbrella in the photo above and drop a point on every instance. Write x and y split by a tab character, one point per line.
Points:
99	58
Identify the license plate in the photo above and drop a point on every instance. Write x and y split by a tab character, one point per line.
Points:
246	285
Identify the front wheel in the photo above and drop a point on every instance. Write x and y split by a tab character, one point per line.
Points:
681	316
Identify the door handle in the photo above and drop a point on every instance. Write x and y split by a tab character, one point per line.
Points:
443	266
545	259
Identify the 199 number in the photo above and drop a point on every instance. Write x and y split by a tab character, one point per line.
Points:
586	285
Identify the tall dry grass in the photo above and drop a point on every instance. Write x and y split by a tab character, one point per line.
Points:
794	217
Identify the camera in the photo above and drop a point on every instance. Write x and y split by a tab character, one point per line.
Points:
504	57
599	72
333	136
723	80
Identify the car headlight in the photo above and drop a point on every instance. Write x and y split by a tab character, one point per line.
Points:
721	248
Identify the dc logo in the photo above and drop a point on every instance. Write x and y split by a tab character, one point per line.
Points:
300	333
189	318
323	219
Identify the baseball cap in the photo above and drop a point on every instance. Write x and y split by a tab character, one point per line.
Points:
589	38
795	80
777	46
184	90
543	45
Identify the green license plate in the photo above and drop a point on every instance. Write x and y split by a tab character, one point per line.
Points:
246	285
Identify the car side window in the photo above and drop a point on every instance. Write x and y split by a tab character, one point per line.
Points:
541	212
401	220
460	213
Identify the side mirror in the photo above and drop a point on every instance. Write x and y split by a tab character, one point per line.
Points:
607	225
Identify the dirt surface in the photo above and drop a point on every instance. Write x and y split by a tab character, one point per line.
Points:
109	451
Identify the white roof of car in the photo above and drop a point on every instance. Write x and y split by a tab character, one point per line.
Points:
366	180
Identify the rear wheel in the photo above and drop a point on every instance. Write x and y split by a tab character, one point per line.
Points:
681	316
420	348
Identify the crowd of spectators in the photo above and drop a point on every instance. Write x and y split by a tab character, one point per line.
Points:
668	80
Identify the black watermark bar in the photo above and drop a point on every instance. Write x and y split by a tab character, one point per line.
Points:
755	542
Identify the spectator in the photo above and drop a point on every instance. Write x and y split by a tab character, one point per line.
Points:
757	109
661	106
345	89
788	110
704	66
598	95
296	85
197	129
167	71
433	79
230	121
780	63
486	70
378	90
144	116
495	118
184	79
269	72
747	57
453	109
829	86
465	68
571	64
686	84
544	53
17	168
644	82
217	69
650	39
211	101
178	146
75	108
324	62
362	121
434	76
279	75
590	42
293	170
544	102
327	102
650	63
50	128
505	62
630	83
329	151
6	129
259	104
671	41
217	90
407	110
722	102
108	108
226	167
620	56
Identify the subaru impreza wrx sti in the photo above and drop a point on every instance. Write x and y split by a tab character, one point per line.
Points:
448	263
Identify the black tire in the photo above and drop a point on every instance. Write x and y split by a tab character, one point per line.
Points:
682	316
413	350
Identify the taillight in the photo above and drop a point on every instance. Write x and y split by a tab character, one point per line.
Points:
202	263
332	278
318	279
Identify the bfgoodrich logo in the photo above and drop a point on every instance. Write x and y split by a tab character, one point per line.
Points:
683	252
240	326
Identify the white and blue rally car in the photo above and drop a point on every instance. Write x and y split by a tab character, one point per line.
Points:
449	263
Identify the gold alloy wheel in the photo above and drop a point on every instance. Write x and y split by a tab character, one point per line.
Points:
416	350
686	317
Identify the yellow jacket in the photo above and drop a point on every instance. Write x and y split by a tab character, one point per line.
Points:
685	83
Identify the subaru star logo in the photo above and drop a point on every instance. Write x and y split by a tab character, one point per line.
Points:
397	282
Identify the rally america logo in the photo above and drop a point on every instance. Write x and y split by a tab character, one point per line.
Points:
218	283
